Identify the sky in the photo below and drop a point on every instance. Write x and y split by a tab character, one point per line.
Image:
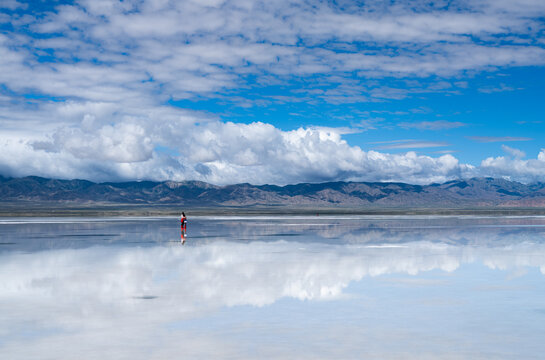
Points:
272	92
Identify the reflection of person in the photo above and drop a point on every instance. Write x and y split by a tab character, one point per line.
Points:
183	236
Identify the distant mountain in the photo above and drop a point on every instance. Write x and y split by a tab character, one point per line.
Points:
476	192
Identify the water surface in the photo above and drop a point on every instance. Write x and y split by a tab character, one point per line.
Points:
352	287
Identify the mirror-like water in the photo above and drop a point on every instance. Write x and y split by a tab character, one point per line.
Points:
273	287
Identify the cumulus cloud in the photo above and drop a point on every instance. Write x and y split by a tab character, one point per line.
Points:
117	65
121	143
163	143
514	167
179	146
167	143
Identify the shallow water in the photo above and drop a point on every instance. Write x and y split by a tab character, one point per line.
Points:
374	287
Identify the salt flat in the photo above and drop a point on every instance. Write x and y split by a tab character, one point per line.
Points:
357	286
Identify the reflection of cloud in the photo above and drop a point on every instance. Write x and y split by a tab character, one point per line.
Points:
90	300
223	273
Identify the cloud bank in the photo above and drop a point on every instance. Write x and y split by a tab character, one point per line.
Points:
180	145
89	87
217	152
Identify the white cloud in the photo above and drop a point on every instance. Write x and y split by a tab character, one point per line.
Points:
118	63
500	88
12	5
433	125
122	143
194	48
516	153
101	141
210	150
412	144
489	139
165	143
515	168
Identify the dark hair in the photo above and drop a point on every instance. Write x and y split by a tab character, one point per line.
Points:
183	213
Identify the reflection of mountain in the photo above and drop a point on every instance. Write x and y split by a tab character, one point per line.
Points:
472	192
37	234
375	229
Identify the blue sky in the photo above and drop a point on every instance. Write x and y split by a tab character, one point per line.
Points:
272	92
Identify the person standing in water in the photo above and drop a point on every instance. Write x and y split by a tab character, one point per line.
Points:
183	224
183	221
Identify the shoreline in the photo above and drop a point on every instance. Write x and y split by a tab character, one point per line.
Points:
128	210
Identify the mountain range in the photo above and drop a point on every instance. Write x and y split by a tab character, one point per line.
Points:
475	192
